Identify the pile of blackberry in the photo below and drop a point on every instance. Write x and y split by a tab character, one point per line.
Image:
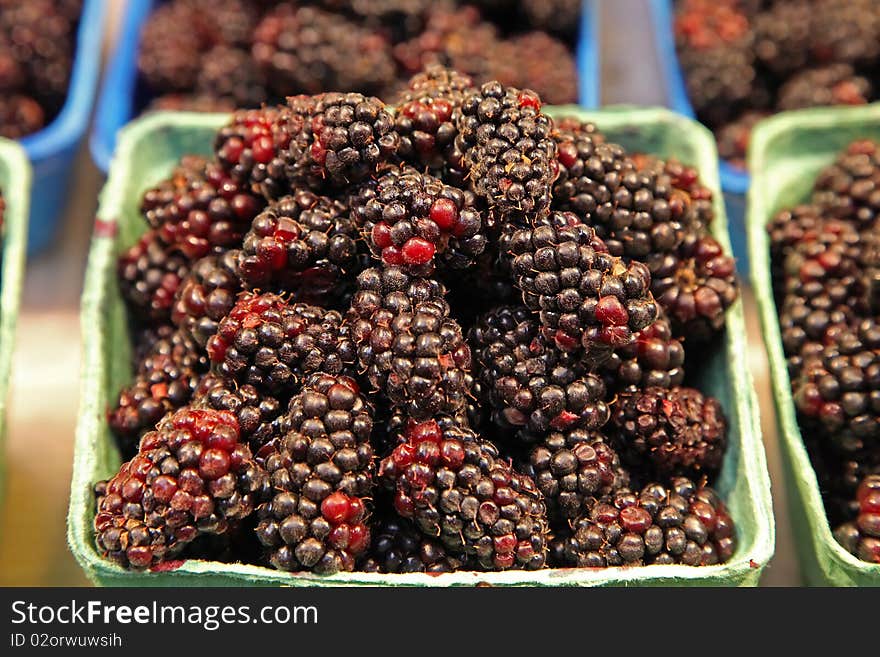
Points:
743	60
217	55
37	44
312	326
825	264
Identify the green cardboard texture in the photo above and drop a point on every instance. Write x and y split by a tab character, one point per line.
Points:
148	149
786	154
15	183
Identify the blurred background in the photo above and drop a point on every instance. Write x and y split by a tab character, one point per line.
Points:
44	393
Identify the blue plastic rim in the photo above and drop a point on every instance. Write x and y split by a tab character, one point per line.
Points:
52	149
121	99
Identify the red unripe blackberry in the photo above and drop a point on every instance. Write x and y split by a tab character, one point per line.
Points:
191	476
322	475
683	523
273	345
413	219
150	273
861	537
207	295
459	490
669	433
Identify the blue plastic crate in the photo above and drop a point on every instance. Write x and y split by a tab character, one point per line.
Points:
122	98
52	149
734	181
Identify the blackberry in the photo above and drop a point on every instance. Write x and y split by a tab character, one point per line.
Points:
849	188
456	488
782	36
531	386
410	217
676	432
303	243
572	467
424	119
846	31
229	72
655	358
687	189
559	16
861	537
584	296
164	381
684	523
200	211
207	295
545	64
192	476
308	50
271	344
836	84
149	274
840	388
695	286
733	137
20	116
398	547
506	144
322	474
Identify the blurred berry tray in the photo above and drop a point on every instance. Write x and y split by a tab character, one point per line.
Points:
122	98
15	184
148	149
787	153
52	149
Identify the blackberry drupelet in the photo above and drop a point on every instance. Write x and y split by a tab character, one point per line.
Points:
397	546
271	344
684	523
506	144
655	358
694	286
849	189
164	381
192	476
585	297
149	274
861	537
304	244
455	487
322	477
836	84
207	295
411	218
670	432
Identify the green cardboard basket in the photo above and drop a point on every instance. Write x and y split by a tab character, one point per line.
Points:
15	183
786	154
149	147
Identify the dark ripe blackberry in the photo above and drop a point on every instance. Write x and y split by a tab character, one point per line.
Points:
733	137
321	475
559	16
684	523
695	286
190	103
585	297
164	381
506	144
149	274
782	34
839	387
260	416
687	189
192	476
545	64
861	537
850	187
207	295
397	546
423	119
670	432
344	139
413	219
200	211
230	72
655	358
836	84
846	31
303	243
308	50
20	116
455	487
531	386
271	344
571	467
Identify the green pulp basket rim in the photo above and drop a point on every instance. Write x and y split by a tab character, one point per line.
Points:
752	557
762	138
